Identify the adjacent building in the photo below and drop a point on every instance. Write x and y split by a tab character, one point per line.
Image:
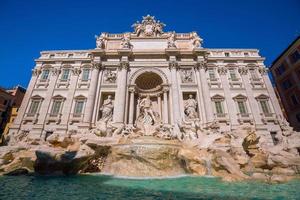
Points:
286	73
10	101
170	72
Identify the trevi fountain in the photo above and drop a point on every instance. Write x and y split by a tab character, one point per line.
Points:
146	106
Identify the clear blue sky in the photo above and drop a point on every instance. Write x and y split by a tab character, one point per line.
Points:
28	27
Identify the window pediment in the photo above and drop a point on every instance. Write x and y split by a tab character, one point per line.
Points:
58	97
262	96
240	97
217	97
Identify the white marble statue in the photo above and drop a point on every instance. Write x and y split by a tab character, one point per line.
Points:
187	76
110	76
138	28
107	109
100	41
125	44
190	108
196	40
171	40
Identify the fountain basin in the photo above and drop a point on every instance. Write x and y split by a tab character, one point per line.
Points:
145	157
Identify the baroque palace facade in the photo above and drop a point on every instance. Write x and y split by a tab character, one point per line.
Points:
168	76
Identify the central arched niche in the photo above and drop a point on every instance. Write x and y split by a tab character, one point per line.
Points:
148	80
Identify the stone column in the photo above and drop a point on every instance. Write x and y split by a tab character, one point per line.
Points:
205	93
175	92
97	98
159	104
67	106
251	99
264	73
131	106
165	106
26	100
88	114
45	108
228	98
119	105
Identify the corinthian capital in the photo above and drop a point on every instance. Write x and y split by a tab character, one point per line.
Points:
173	65
96	65
200	65
263	70
222	70
36	72
76	71
56	71
243	70
124	64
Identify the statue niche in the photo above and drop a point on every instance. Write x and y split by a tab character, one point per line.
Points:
104	122
148	101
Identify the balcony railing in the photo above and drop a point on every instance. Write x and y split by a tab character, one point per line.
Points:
63	82
76	118
245	117
222	117
53	118
269	117
31	117
84	82
43	82
214	82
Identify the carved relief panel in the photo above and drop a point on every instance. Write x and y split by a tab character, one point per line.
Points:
110	76
187	76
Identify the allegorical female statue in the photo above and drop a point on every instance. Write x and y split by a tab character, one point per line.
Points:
107	109
190	107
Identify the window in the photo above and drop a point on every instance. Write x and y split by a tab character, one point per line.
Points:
65	74
232	74
253	74
242	107
78	107
294	99
295	57
56	107
227	54
211	73
280	70
219	108
286	84
45	74
265	106
218	105
85	74
246	54
34	106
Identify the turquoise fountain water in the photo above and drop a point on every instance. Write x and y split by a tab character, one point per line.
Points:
105	187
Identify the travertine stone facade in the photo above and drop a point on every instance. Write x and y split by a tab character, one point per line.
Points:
182	80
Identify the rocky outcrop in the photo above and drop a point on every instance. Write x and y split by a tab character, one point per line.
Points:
234	156
195	160
144	157
60	161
